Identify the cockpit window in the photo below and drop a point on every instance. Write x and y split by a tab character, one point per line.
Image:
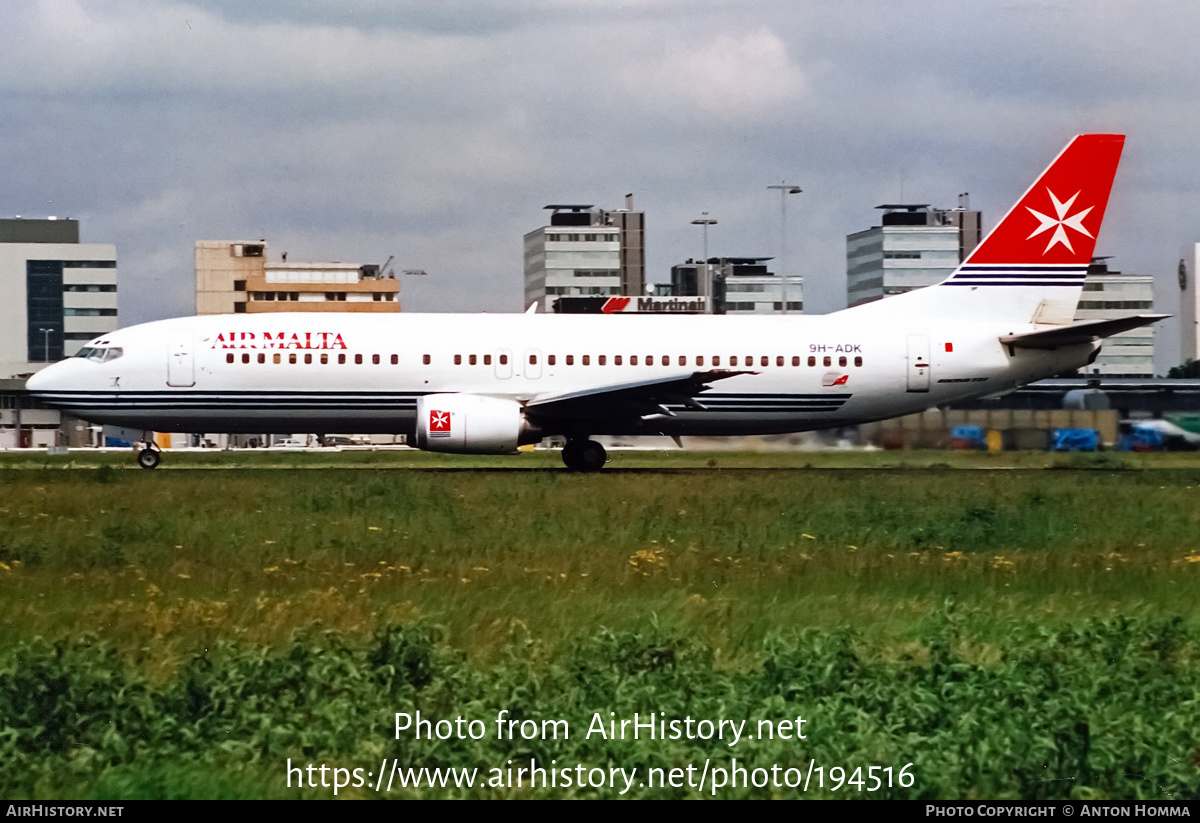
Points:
100	354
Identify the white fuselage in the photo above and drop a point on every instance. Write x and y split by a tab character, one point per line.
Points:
325	372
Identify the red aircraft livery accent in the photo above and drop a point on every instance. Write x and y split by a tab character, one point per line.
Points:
1056	221
280	340
439	423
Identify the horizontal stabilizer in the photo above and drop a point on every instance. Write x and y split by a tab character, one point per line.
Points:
1079	333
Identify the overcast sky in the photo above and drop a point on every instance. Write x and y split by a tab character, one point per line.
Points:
436	131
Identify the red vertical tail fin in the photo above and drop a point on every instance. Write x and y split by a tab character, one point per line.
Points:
1030	268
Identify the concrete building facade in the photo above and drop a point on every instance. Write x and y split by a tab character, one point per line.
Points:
59	293
1189	303
1109	295
235	277
914	246
585	252
738	285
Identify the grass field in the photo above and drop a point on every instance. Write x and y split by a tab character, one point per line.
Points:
923	584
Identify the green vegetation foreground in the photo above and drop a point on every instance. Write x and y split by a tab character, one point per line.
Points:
186	633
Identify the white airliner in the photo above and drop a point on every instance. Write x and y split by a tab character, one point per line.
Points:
486	384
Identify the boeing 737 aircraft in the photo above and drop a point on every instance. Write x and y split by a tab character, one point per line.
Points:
486	384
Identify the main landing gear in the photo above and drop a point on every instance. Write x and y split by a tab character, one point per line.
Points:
148	456
584	456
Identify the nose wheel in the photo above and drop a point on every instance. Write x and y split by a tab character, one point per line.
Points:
148	458
584	456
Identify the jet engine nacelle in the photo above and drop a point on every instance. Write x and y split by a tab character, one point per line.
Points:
471	424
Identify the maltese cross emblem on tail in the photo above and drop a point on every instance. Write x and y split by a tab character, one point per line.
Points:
1063	218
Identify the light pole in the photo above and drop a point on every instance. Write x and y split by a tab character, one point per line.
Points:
784	190
704	222
46	348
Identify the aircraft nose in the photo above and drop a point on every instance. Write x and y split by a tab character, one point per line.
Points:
48	379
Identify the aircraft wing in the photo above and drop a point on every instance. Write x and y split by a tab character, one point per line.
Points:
645	398
1076	333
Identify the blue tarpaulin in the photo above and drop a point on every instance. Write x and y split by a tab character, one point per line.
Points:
969	435
1142	439
1076	440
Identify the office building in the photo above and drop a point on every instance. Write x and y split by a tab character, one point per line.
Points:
1108	295
738	285
235	277
59	294
585	252
914	246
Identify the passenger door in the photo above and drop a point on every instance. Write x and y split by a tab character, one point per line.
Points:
181	368
918	362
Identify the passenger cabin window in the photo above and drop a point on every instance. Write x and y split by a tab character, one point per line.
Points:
375	359
292	359
358	359
812	361
229	358
504	360
395	359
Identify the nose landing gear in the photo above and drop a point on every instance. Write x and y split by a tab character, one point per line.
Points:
584	456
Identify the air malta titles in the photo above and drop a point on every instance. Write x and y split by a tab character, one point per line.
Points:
280	340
